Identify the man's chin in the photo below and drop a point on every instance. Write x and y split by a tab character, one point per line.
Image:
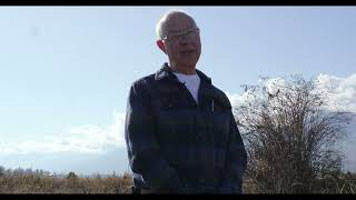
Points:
189	63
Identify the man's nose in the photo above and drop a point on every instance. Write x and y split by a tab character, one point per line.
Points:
186	37
185	40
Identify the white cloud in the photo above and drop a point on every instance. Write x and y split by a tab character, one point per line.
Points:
273	83
81	139
341	91
236	99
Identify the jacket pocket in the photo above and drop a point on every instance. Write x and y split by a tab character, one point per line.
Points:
218	128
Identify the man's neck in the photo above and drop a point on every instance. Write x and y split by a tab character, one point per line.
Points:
187	70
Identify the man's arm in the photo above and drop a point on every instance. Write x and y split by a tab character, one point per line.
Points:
143	148
236	160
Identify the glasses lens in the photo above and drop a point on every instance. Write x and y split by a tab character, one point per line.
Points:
185	35
188	35
191	34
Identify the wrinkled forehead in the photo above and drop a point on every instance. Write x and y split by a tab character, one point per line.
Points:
178	23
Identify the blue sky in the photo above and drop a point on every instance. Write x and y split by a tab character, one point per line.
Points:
65	71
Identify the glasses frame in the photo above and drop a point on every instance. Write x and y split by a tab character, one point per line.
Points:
180	35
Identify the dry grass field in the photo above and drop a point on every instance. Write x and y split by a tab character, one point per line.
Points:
43	183
343	183
38	182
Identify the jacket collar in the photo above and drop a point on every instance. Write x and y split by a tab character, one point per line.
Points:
166	72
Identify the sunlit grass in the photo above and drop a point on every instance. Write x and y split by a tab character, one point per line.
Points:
38	182
342	183
21	181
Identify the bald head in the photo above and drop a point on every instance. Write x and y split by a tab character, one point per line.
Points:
167	21
178	37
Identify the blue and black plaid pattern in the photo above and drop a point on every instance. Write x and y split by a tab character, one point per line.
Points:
179	146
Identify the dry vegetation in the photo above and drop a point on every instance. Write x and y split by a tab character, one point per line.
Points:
292	140
342	183
30	182
38	182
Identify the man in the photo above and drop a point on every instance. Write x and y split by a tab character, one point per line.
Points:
180	132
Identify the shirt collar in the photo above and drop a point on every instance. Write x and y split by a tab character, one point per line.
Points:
166	72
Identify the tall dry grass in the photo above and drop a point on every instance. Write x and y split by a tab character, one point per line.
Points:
32	183
43	183
341	183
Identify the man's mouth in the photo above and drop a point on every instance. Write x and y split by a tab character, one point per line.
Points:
187	52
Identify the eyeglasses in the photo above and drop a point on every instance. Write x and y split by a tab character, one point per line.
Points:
187	34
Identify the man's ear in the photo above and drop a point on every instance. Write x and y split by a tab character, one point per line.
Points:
161	45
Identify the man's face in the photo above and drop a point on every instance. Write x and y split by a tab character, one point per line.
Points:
182	45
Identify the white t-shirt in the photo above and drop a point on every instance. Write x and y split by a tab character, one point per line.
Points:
191	82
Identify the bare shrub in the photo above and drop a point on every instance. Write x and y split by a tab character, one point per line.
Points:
290	139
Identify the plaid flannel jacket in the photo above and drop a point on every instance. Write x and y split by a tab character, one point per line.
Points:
178	146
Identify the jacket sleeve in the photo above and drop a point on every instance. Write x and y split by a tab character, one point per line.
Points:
143	148
236	160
